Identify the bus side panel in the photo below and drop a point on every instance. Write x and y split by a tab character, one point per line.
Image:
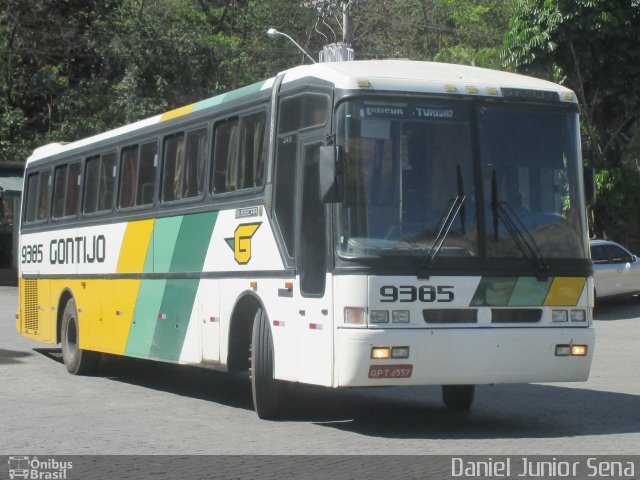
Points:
112	303
203	336
35	313
316	336
285	326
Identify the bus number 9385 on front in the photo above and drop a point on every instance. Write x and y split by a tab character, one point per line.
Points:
411	293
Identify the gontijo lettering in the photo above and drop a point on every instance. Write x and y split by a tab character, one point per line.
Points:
77	250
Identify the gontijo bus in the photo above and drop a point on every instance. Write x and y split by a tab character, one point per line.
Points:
351	224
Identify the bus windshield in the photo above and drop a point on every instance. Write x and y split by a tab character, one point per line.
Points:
495	180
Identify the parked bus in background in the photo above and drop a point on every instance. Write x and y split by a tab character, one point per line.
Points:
353	224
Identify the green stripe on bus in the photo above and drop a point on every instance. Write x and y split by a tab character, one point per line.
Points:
511	291
529	292
145	316
171	329
227	97
189	252
165	234
163	307
192	242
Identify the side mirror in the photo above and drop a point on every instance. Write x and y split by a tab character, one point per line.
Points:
634	259
590	186
331	173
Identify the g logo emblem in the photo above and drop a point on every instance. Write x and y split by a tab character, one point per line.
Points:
240	243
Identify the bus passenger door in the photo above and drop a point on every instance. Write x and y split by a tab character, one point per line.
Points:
314	292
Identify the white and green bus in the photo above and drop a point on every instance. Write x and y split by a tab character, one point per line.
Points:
354	224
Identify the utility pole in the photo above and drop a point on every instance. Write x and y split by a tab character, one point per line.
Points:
346	22
340	51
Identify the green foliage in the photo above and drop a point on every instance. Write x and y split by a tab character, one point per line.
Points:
592	47
461	31
618	199
73	68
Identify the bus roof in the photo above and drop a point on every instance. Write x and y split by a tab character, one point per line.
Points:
369	75
429	77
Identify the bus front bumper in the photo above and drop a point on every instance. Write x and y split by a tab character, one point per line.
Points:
462	356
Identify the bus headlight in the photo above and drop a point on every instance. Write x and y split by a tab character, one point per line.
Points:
578	350
559	316
400	316
380	353
578	315
379	316
571	350
399	352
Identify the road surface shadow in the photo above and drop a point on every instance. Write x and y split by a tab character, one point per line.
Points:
54	354
500	411
11	357
617	309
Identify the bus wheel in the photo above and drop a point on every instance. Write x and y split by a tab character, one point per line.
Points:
458	398
268	393
77	361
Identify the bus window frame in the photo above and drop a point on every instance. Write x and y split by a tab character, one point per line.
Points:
230	115
66	218
98	213
162	164
39	171
117	190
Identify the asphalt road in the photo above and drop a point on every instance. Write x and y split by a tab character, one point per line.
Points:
141	407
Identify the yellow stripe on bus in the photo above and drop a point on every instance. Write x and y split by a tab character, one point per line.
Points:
178	112
134	246
565	291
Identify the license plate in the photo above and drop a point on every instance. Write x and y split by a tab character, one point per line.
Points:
390	371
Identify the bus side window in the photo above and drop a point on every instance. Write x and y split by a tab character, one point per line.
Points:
128	176
224	156
91	185
184	161
238	153
32	197
44	189
138	175
73	190
107	182
99	182
59	186
146	182
192	178
66	184
303	111
251	162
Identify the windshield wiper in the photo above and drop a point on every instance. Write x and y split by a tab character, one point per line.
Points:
517	230
457	206
446	222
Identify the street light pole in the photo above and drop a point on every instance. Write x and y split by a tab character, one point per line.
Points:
273	33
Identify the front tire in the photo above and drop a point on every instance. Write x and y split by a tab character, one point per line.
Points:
458	398
77	361
268	393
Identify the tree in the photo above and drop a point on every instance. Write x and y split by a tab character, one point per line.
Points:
591	46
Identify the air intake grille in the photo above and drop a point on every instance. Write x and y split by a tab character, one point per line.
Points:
31	324
515	315
450	315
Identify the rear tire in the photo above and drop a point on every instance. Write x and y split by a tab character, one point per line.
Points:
268	393
458	398
77	361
